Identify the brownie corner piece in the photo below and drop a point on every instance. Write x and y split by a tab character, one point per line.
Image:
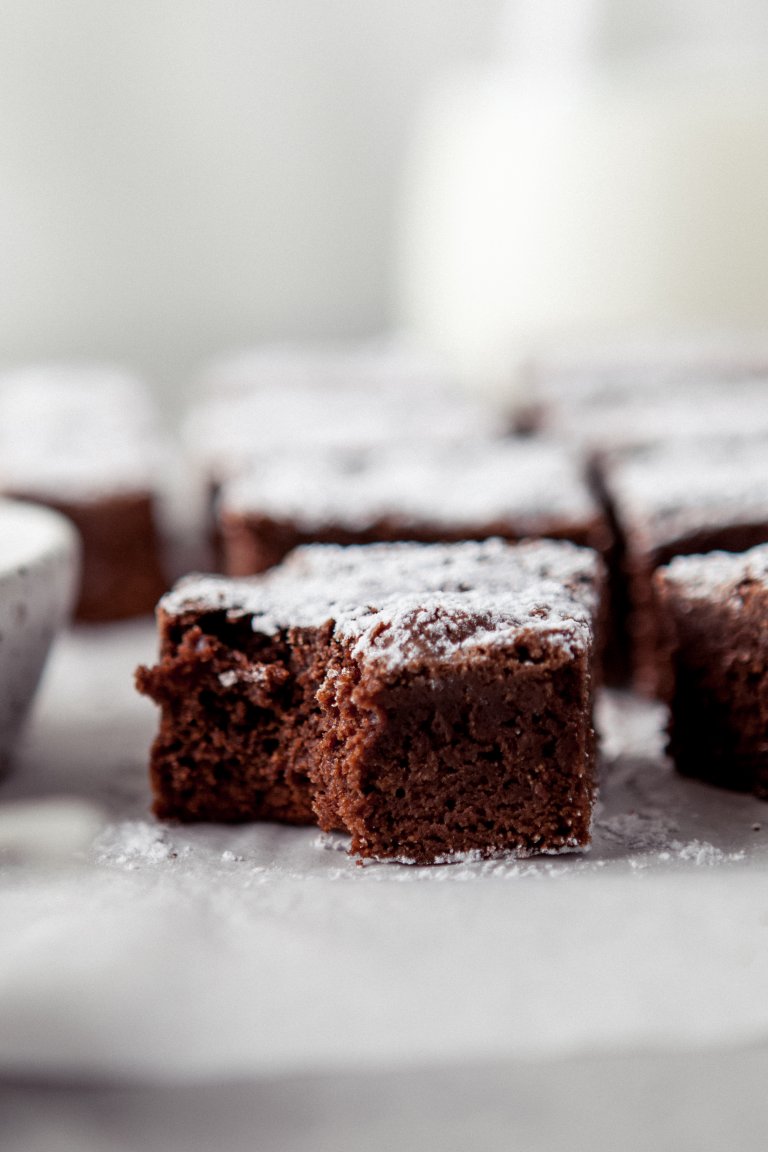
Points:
433	701
481	751
713	610
668	500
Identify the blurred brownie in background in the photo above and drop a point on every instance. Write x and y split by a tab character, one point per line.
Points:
714	673
262	404
628	399
434	493
684	413
567	386
679	499
81	439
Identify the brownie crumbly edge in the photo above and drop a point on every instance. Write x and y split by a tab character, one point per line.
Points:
259	725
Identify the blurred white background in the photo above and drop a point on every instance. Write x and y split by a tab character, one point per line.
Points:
181	176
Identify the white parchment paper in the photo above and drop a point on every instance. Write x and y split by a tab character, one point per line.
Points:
208	952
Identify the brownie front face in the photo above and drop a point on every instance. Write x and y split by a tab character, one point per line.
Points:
430	700
713	613
492	755
670	501
236	732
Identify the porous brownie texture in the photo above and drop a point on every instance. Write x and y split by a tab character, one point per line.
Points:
430	700
674	500
713	612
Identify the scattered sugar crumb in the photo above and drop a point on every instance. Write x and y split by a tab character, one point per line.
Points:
255	674
700	852
331	842
134	843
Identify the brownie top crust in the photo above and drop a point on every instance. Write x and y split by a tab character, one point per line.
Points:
402	604
668	492
720	575
460	486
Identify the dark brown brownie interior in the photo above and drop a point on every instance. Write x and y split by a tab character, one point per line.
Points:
445	707
719	702
239	749
480	757
644	620
426	763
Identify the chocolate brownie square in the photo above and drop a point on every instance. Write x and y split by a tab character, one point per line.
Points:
675	500
80	439
431	700
434	494
713	611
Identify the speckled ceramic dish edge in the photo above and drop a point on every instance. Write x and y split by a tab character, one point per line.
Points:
39	566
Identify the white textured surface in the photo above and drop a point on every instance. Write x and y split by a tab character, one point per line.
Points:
410	602
522	482
189	952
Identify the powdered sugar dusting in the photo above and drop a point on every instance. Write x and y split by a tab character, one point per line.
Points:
134	843
665	492
717	573
641	841
575	372
632	403
252	674
232	433
532	485
76	431
701	853
395	601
